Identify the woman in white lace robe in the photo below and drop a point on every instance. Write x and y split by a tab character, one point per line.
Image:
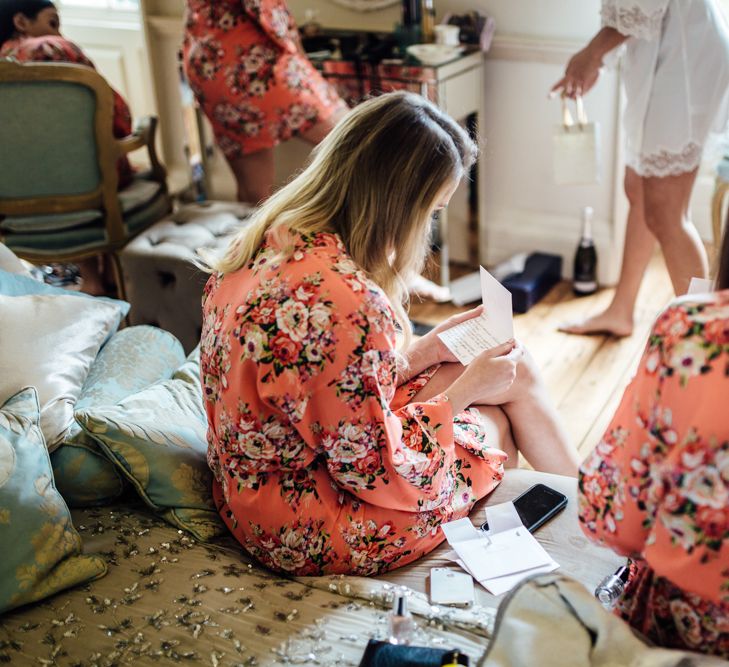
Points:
676	77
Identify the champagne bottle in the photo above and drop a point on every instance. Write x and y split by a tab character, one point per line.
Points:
428	20
584	277
411	13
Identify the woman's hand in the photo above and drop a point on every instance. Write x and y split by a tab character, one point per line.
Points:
581	74
431	350
488	376
443	354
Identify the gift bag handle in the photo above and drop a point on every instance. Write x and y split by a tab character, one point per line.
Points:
567	120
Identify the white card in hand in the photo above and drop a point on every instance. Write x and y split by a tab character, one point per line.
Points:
495	326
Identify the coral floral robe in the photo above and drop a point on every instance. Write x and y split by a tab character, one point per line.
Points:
322	465
656	488
52	48
256	87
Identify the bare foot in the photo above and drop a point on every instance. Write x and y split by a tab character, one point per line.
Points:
602	324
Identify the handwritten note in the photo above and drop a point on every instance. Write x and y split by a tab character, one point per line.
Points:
495	326
504	556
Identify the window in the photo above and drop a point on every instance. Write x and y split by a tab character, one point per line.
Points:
124	5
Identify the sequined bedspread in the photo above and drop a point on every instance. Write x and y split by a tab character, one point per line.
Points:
168	599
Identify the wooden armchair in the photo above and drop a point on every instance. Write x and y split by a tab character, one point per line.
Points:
58	174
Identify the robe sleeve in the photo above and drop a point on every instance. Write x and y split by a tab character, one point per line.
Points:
634	18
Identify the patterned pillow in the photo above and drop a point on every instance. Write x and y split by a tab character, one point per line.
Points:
14	284
133	359
45	556
157	437
50	342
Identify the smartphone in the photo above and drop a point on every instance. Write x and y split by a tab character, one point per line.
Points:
450	586
536	506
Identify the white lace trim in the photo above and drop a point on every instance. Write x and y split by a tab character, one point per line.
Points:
664	163
631	21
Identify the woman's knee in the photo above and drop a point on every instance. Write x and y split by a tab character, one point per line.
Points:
497	432
666	201
527	373
662	216
633	186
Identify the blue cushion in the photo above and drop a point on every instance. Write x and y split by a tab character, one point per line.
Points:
138	193
41	550
86	238
13	284
133	359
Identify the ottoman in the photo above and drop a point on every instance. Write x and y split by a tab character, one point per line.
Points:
163	283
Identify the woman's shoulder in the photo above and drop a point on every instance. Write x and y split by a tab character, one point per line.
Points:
47	48
693	319
699	307
325	254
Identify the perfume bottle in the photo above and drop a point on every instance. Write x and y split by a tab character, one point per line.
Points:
584	277
402	624
454	659
612	587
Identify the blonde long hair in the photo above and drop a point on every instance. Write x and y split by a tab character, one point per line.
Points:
373	181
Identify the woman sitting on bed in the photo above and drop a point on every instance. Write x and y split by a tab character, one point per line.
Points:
335	451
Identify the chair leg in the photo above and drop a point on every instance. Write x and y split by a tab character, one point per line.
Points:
121	291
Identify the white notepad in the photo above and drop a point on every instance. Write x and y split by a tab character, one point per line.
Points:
495	326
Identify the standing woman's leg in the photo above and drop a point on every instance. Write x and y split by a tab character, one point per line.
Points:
316	133
638	247
667	216
254	175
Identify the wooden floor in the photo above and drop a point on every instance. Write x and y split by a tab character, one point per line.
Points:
586	375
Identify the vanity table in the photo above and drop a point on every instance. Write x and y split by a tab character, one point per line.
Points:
360	65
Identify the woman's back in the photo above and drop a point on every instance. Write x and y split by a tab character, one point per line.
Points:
321	464
657	486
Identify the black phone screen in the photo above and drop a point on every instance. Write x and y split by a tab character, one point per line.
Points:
537	505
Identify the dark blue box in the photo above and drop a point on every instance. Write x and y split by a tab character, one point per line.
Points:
542	271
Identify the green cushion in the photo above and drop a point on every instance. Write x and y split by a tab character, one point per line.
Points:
48	223
88	237
138	193
41	552
133	359
48	129
157	437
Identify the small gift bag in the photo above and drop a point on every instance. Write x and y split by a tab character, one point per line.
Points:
576	148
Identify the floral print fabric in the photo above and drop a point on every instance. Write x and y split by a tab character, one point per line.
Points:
656	488
322	464
248	74
52	48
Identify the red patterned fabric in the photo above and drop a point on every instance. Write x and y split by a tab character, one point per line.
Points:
656	488
252	81
322	464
